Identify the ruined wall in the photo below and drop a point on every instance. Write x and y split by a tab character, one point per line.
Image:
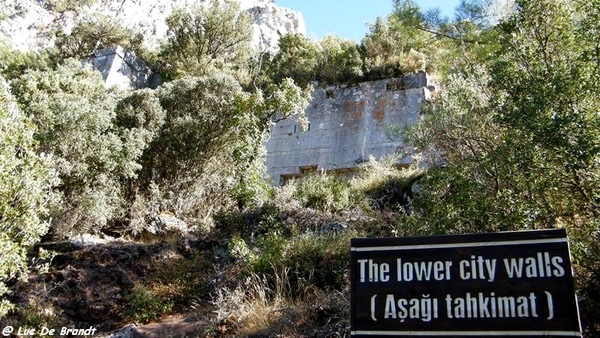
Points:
347	125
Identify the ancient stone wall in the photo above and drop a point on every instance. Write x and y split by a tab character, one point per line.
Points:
348	124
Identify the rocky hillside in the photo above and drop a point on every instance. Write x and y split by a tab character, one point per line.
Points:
32	24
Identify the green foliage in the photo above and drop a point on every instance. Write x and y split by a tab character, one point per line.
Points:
202	123
144	306
25	191
550	110
93	34
253	188
340	61
74	113
139	118
210	141
249	222
68	5
204	38
319	260
323	192
298	59
34	316
14	63
75	118
310	260
515	141
394	46
385	185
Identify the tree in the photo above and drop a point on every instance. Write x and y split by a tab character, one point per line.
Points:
93	34
459	140
549	74
340	61
26	181
298	58
67	5
75	119
515	142
14	63
395	45
212	134
207	37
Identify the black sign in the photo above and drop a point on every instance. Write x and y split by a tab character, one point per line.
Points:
516	284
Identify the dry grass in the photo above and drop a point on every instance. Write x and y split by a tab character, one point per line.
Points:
261	307
253	306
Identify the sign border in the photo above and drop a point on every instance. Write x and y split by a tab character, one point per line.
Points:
457	241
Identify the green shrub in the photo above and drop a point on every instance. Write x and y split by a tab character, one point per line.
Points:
35	316
199	42
298	58
340	61
76	120
68	5
93	34
144	306
384	184
319	260
26	181
210	142
324	192
13	63
248	223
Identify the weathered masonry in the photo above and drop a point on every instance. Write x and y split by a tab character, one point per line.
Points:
348	124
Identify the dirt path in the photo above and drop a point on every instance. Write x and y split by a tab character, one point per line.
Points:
175	326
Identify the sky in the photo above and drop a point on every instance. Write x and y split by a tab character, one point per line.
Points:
348	18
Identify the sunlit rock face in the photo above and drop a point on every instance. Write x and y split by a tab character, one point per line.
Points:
31	24
349	125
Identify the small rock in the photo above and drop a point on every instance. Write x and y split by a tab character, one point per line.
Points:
166	222
334	227
127	331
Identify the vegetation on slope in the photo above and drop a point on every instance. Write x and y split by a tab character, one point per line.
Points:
511	143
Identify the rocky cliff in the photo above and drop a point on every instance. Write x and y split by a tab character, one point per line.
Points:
31	24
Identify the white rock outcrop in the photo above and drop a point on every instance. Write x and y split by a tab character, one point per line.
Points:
30	25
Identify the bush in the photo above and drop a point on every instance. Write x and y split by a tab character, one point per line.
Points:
309	260
68	5
144	306
298	59
319	260
75	118
340	61
385	185
25	192
93	34
210	142
200	43
324	192
14	63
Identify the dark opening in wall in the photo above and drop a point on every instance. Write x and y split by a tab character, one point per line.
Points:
391	86
329	93
308	169
284	179
296	128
